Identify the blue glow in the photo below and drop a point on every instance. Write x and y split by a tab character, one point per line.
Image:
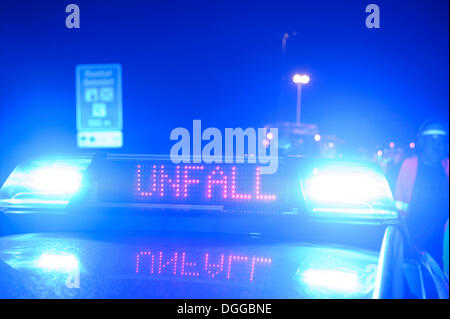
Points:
51	182
58	262
56	179
355	191
336	280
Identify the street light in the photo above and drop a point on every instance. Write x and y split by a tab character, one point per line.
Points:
299	79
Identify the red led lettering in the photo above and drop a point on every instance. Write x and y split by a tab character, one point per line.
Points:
217	178
192	268
167	182
139	259
166	263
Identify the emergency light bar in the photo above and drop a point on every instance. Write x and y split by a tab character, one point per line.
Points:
43	183
347	190
322	188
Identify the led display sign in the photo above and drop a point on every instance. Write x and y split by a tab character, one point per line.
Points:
200	183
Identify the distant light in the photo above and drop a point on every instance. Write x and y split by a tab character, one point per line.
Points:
269	136
337	280
301	79
330	144
297	78
412	145
391	144
266	143
380	153
57	262
317	137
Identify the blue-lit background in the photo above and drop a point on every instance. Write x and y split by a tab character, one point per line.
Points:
221	62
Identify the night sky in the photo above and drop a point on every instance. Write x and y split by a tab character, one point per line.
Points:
220	61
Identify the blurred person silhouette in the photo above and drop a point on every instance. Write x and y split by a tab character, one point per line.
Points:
445	254
422	189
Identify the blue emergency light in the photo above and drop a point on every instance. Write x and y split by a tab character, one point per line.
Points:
43	183
323	188
347	190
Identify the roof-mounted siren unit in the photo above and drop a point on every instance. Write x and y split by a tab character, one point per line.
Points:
343	190
43	183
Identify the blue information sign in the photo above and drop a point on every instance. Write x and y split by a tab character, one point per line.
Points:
99	106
